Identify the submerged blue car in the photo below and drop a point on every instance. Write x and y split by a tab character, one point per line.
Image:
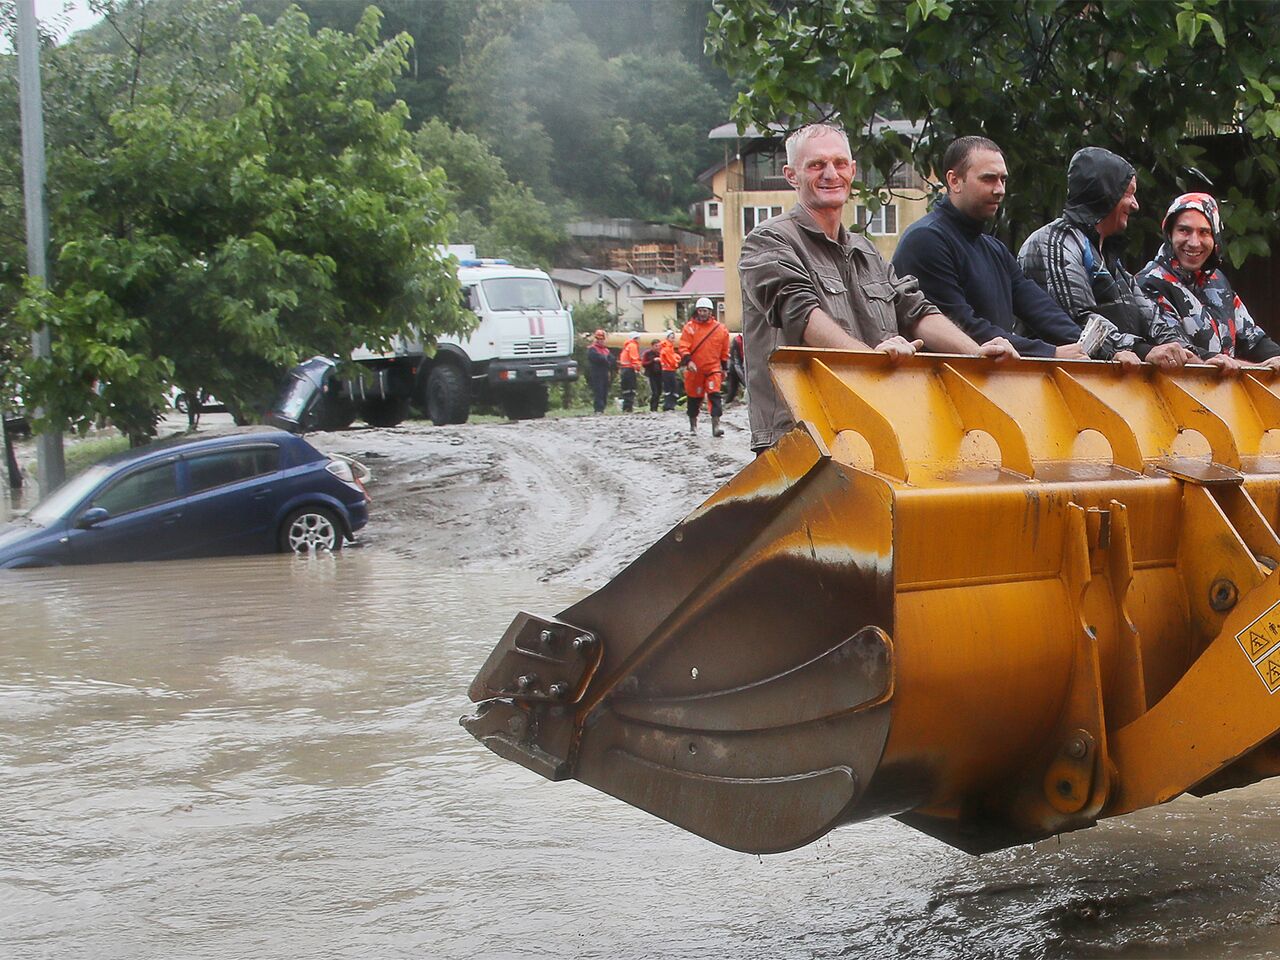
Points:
253	490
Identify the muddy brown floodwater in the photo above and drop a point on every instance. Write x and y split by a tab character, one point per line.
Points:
260	757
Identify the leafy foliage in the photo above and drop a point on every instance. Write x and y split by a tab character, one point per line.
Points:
603	105
1040	77
621	136
227	197
503	219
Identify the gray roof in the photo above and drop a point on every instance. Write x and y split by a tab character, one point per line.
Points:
616	278
580	278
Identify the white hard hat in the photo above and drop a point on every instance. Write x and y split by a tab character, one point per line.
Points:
704	302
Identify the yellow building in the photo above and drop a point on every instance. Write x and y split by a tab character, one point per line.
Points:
748	187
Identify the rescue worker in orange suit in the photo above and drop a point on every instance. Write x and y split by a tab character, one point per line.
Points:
629	364
670	363
651	359
599	369
704	350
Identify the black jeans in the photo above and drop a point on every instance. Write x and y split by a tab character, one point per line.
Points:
668	389
655	390
627	384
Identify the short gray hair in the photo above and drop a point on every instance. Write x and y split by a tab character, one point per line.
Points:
807	133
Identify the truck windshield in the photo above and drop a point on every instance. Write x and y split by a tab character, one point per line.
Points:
520	293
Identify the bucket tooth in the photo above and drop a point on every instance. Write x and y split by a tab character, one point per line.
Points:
512	733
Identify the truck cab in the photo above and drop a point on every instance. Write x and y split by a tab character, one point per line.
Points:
522	342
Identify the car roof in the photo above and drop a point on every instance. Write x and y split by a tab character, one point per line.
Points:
205	441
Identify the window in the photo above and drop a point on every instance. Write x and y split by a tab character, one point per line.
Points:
751	216
904	176
762	169
142	489
65	497
229	466
520	293
882	223
713	209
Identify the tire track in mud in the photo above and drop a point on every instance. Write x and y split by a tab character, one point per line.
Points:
566	499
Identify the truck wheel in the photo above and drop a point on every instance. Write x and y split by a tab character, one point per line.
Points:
448	399
525	403
311	530
384	413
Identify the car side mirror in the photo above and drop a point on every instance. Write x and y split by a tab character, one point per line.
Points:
91	518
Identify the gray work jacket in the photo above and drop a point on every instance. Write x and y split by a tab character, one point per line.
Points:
789	266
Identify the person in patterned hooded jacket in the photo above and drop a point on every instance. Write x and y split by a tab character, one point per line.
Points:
1194	297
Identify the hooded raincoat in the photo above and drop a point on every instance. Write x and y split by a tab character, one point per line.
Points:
1199	307
1083	273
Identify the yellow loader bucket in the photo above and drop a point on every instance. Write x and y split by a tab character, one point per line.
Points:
996	601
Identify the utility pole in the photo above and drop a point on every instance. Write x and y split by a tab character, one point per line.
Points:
49	458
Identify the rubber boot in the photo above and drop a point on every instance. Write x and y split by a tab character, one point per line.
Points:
693	424
715	427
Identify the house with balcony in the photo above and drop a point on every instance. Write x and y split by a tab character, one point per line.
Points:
747	187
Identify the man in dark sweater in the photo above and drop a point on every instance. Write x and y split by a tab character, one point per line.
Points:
970	275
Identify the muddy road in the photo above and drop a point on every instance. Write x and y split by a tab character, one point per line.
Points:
572	499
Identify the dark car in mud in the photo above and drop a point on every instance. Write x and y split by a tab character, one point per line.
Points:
313	398
253	490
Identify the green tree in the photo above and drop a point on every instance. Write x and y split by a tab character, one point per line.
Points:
621	136
439	28
1040	77
216	221
503	219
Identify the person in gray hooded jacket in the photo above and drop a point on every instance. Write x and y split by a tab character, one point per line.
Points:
1076	259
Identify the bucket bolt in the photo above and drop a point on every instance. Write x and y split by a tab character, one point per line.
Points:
1223	595
525	682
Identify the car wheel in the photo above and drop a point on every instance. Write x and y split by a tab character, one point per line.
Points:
448	401
311	530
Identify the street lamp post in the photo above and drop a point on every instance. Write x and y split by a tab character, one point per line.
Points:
50	462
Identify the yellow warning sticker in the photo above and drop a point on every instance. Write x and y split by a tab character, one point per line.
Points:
1269	670
1260	642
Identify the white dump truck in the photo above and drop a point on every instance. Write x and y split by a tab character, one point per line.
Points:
522	344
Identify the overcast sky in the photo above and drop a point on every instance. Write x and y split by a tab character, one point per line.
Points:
71	15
